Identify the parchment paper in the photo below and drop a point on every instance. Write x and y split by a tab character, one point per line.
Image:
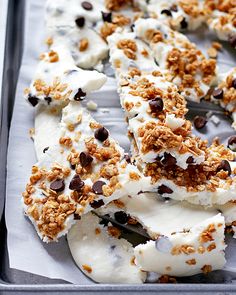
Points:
26	251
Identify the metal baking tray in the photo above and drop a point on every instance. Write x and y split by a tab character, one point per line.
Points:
18	282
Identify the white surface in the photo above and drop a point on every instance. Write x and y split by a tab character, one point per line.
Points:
26	251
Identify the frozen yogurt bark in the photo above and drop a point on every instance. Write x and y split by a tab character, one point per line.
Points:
225	93
189	69
222	19
154	108
86	47
199	250
85	170
210	183
178	14
99	253
57	80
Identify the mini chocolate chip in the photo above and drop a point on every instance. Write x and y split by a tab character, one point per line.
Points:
72	166
79	95
77	216
167	12
45	149
57	185
163	189
85	159
168	160
76	183
156	105
113	247
190	160
218	93
234	83
87	5
97	187
224	165
104	222
97	204
80	21
232	140
174	8
183	23
121	217
107	16
33	100
199	122
101	134
132	27
127	158
48	100
232	41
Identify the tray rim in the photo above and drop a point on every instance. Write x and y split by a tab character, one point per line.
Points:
134	289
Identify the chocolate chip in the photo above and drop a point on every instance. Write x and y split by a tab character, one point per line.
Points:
224	165
163	189
76	183
167	12
79	95
48	100
105	222
97	187
113	247
72	166
190	160
77	216
33	100
87	5
232	140
101	134
218	93
57	185
107	17
85	159
168	160
156	105
97	204
174	8
199	122
127	158
232	41
121	217
183	23
80	21
45	149
132	27
234	83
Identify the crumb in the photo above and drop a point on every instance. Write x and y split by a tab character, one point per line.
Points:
91	105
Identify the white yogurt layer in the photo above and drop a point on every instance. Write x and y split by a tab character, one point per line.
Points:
57	80
160	217
201	249
64	12
77	131
85	45
102	257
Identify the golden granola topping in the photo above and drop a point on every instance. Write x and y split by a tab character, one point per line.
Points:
87	268
53	56
204	176
206	268
129	47
83	44
116	4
